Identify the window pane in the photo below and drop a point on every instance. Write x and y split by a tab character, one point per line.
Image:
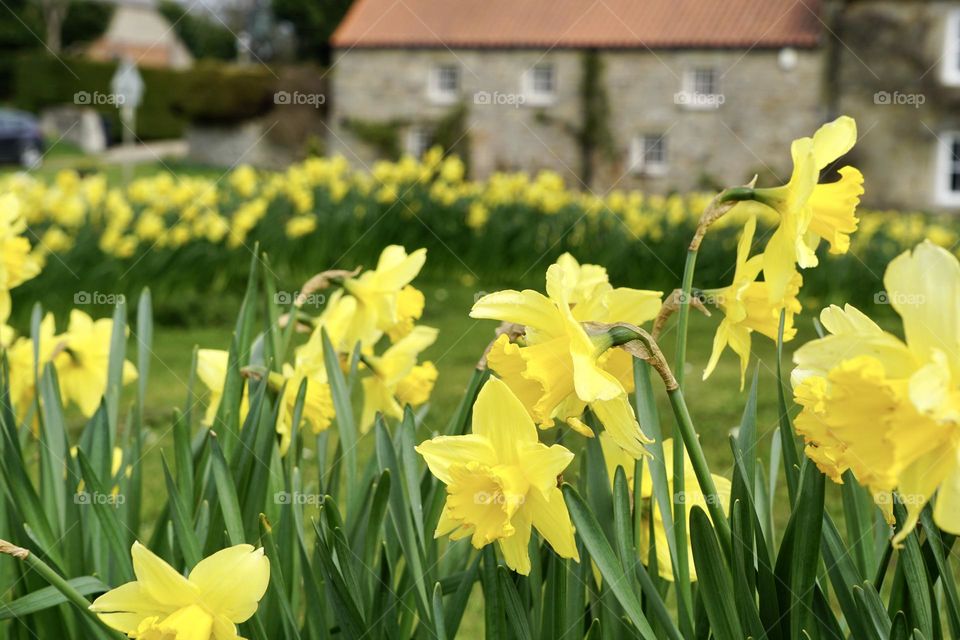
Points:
654	150
448	79
543	79
705	82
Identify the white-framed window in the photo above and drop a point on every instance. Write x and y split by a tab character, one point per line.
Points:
443	85
418	141
700	89
951	50
648	154
948	169
540	84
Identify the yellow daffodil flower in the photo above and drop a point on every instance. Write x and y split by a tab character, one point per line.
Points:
83	361
222	591
212	371
397	378
318	411
747	307
501	481
562	368
691	495
810	211
378	294
19	352
17	263
885	409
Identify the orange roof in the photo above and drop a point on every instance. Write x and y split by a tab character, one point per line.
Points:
580	23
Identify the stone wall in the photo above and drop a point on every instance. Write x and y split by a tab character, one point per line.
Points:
765	107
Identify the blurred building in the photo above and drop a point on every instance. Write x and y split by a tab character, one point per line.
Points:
697	92
139	31
685	94
895	66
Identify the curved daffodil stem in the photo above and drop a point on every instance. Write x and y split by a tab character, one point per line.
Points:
56	581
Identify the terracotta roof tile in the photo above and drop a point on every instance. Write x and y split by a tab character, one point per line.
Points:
580	23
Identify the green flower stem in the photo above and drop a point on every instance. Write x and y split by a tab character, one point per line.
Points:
679	481
56	581
700	467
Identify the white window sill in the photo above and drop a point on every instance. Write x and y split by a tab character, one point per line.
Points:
950	77
947	198
539	100
443	98
650	171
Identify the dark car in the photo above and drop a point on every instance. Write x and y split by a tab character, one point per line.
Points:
20	138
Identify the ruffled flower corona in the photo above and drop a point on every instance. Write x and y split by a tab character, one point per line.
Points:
221	592
560	368
885	409
501	481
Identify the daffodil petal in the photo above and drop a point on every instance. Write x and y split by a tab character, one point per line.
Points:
529	308
443	451
551	519
833	140
923	286
159	581
500	417
515	548
233	581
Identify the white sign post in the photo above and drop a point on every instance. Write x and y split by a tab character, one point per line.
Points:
127	89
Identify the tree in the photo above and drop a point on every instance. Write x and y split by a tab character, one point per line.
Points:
54	13
314	21
204	37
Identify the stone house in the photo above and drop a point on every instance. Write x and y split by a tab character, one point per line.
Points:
697	93
660	95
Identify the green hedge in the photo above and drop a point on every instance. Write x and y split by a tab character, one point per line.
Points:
210	92
62	78
216	93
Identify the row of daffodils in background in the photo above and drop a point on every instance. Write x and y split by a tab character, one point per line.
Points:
323	206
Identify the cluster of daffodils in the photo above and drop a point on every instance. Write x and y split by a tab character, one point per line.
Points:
886	409
554	358
373	311
809	212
